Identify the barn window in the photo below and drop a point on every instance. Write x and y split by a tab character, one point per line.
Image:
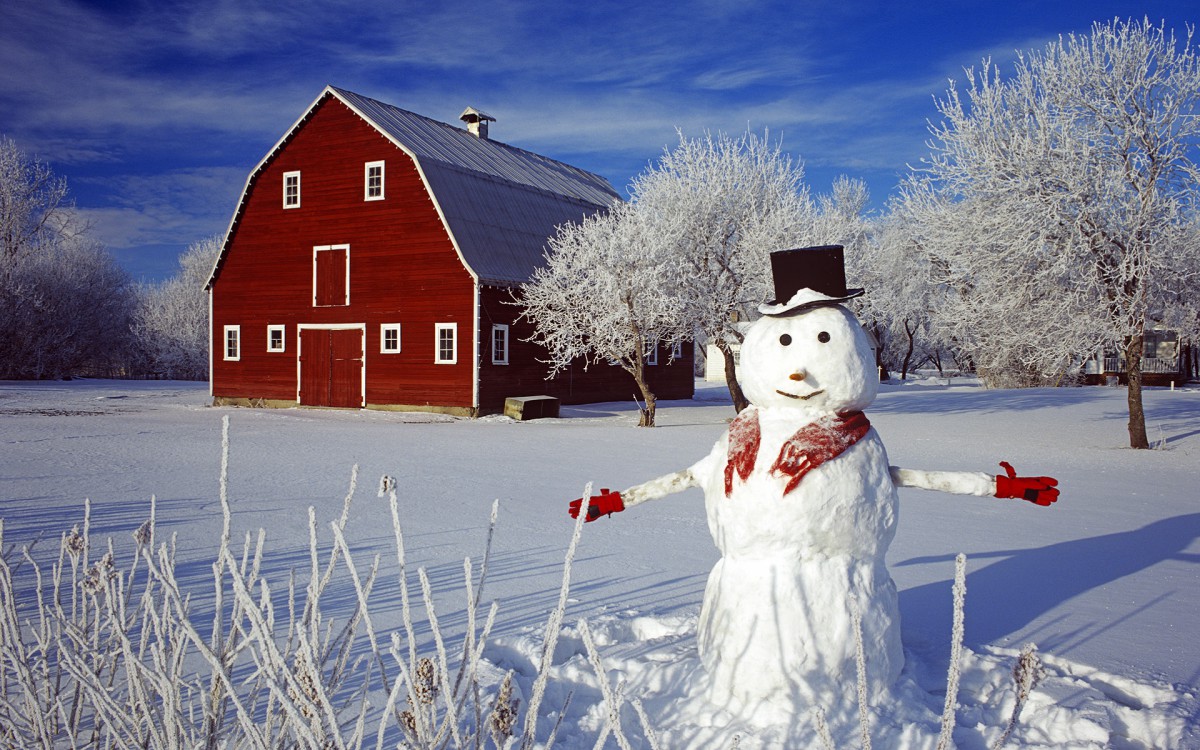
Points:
373	181
275	338
446	343
291	190
499	344
233	343
389	338
331	275
652	354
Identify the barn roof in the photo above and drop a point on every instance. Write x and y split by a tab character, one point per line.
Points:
500	203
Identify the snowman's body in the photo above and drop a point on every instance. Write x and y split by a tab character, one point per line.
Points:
776	628
776	631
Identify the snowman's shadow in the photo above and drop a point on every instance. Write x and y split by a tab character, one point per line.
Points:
1006	596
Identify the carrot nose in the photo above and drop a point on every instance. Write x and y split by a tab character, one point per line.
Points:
798	375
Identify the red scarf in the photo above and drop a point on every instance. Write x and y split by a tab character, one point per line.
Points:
811	446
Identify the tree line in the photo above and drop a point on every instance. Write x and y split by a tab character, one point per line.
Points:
1053	220
68	309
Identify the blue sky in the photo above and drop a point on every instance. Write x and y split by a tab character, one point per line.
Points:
156	111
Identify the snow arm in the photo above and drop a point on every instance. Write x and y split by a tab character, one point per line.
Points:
607	503
955	482
1037	490
667	484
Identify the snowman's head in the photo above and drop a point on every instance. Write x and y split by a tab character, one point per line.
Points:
816	360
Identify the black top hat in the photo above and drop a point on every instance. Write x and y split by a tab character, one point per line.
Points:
807	277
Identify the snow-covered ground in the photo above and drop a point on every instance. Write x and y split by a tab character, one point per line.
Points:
1105	582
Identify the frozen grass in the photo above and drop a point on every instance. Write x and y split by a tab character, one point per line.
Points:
97	654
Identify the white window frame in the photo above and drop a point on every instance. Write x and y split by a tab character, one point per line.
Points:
282	331
286	177
438	329
323	248
367	167
500	357
652	354
236	340
384	329
677	350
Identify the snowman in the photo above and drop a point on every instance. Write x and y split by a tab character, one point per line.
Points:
801	502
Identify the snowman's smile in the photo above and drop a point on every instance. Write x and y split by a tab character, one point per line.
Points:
804	397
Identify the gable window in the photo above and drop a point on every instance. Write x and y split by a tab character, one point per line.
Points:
291	190
446	343
389	338
373	181
331	275
499	344
275	338
233	343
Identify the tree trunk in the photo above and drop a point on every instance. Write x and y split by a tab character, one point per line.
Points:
646	418
638	371
908	331
735	388
880	367
1137	415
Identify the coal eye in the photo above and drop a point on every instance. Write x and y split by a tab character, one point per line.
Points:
785	339
823	337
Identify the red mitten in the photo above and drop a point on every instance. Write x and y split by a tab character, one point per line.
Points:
604	504
1037	490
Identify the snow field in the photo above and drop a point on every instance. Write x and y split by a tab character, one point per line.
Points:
1104	581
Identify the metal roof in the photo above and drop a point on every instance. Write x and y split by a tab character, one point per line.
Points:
501	203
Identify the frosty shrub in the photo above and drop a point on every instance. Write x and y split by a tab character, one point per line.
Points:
105	650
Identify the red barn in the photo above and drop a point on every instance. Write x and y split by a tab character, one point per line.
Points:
372	260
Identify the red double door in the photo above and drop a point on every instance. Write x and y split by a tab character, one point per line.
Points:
331	367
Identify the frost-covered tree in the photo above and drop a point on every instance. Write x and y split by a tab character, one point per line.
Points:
606	296
34	206
723	204
172	317
1056	202
65	306
903	295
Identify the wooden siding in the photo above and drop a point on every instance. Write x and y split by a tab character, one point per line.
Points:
402	269
525	375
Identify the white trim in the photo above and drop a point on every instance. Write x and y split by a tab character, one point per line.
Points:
652	354
367	180
236	330
282	330
294	173
212	355
362	329
323	248
497	328
437	343
384	328
476	349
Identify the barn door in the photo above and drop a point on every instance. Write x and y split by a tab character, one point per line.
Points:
331	367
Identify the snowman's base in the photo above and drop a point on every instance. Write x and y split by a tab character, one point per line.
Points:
903	717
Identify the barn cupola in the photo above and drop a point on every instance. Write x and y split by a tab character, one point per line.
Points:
477	122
